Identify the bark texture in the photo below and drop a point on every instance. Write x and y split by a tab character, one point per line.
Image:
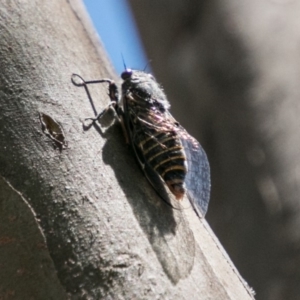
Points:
231	71
83	222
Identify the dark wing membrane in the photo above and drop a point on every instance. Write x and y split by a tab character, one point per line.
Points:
197	179
151	175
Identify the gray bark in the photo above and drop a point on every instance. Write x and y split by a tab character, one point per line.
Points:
231	71
83	222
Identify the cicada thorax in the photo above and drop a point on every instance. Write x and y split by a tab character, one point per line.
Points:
157	138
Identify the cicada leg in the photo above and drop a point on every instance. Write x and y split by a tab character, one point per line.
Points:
114	98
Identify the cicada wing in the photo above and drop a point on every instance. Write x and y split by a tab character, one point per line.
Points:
197	180
157	183
151	175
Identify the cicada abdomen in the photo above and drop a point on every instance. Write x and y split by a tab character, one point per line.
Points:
163	151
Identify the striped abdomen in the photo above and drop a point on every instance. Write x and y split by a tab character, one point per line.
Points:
164	153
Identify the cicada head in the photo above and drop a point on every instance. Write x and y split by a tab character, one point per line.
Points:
144	87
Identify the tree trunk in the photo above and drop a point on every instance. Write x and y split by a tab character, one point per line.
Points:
231	71
78	220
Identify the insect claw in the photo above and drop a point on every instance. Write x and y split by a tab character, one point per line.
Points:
92	119
73	79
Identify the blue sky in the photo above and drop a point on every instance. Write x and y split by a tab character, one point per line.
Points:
115	25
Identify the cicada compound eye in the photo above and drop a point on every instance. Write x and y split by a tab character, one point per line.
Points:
126	74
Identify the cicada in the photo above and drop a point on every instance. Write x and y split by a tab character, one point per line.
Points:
163	148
